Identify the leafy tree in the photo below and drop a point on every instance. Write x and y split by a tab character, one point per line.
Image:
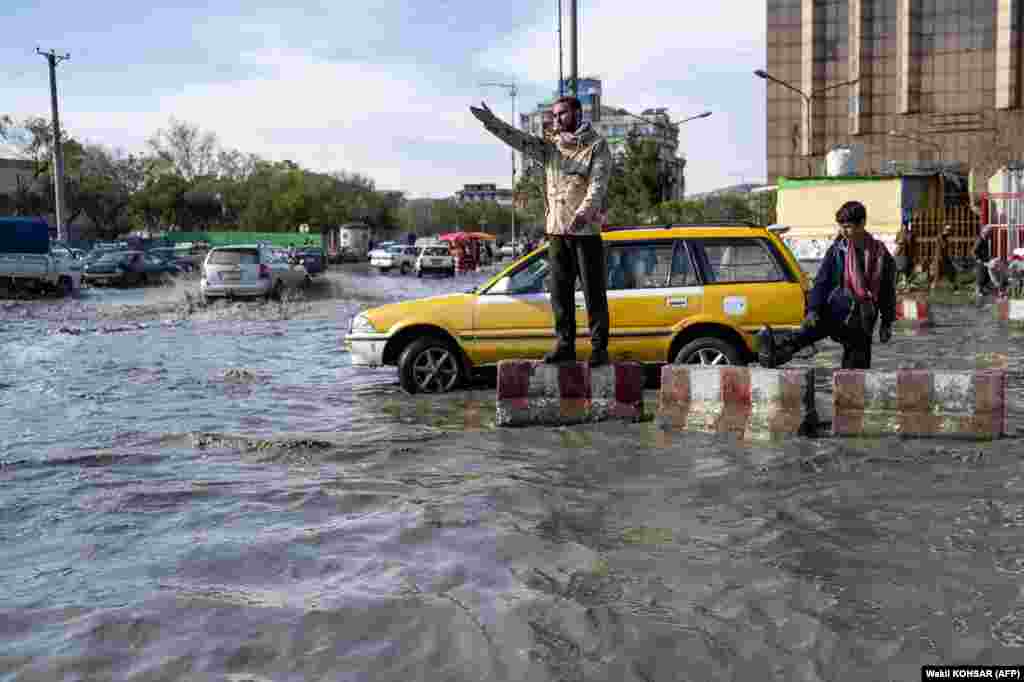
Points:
106	183
191	152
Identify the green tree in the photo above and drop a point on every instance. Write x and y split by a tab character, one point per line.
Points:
636	185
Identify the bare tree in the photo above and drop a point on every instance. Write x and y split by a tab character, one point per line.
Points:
191	152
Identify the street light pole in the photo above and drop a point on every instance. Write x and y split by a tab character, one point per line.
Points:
53	59
808	98
513	90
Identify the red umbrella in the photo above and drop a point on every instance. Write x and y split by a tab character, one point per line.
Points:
453	236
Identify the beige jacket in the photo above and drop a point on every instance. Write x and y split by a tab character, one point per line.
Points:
577	168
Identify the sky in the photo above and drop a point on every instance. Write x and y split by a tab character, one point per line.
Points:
385	91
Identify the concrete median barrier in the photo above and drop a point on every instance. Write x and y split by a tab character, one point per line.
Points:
750	402
535	393
919	403
912	313
1011	311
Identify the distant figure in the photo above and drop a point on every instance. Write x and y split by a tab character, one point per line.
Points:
983	281
904	253
942	263
854	287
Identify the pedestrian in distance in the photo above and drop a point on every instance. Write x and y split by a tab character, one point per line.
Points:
942	263
854	288
983	282
904	254
577	166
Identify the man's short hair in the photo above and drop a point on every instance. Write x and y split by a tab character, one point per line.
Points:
851	212
573	103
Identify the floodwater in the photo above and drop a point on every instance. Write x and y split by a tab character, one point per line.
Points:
191	494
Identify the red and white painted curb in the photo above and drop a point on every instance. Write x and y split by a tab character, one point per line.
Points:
532	392
913	313
751	402
1010	310
920	403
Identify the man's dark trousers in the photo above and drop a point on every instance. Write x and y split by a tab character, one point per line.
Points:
569	256
856	343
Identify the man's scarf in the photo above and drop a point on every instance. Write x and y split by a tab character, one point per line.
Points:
866	286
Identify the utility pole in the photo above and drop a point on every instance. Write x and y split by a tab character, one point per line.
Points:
53	59
512	90
561	60
574	44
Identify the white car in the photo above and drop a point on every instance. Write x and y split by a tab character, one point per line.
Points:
397	256
257	270
438	259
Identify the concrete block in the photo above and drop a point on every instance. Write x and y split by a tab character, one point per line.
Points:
535	393
912	313
920	403
750	402
1011	311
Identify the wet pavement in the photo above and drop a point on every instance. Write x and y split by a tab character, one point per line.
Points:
217	494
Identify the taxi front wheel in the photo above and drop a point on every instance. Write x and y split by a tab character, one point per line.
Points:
709	351
430	365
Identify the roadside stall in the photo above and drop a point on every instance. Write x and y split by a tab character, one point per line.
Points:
466	248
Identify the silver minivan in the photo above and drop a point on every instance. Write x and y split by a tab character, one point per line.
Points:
244	270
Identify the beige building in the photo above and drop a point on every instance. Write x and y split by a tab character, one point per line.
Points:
945	75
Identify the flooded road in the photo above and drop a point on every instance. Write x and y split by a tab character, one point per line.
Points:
216	494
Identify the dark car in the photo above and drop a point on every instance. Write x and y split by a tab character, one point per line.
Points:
128	267
313	257
181	258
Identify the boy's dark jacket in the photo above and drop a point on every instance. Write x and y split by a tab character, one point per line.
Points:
830	277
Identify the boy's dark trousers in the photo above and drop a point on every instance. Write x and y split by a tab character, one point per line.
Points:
856	343
569	257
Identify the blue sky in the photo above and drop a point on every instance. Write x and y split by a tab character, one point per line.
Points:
385	91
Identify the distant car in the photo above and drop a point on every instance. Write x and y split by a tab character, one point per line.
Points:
249	270
313	259
380	249
510	251
127	268
436	259
396	256
177	256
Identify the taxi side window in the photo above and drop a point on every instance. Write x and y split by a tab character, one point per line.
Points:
528	279
684	274
738	260
639	266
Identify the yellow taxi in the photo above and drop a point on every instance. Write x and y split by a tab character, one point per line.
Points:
684	294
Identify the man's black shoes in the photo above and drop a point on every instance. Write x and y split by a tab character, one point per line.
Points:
560	356
599	358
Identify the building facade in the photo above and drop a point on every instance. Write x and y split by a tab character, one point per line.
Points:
484	192
616	126
907	80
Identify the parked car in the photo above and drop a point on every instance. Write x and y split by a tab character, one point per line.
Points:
250	270
125	268
181	258
313	258
683	294
508	250
395	256
436	259
380	249
30	260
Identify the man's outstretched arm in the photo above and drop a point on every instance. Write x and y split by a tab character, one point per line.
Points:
530	145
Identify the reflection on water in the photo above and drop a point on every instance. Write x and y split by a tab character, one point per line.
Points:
230	499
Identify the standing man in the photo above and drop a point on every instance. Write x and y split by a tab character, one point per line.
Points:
854	287
577	167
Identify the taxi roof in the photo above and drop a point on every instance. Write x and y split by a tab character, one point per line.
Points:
708	229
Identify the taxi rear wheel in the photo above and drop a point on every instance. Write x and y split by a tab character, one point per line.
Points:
430	365
709	351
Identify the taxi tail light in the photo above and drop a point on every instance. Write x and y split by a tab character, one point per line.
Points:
264	271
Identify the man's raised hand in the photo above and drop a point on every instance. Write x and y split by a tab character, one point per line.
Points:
483	113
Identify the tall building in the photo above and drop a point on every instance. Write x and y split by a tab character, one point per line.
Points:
944	75
615	125
484	192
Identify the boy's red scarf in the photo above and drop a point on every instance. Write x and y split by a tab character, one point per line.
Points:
866	286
